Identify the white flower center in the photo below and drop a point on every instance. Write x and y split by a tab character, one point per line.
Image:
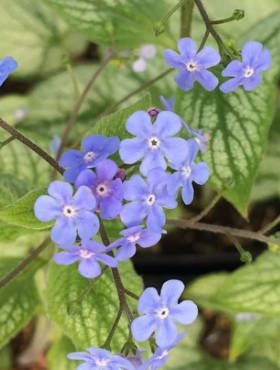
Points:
154	143
248	72
133	238
89	156
102	190
191	66
150	200
186	171
163	313
163	354
84	253
103	362
69	211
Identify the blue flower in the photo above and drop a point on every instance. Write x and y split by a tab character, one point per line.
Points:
160	356
247	73
147	200
169	103
133	236
7	66
73	214
107	189
188	172
193	64
100	359
159	313
94	149
89	253
153	142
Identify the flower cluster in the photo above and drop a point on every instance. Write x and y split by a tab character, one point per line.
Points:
193	66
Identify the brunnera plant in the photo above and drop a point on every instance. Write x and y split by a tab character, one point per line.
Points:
130	181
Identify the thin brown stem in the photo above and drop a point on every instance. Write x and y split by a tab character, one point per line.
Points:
41	153
206	210
24	263
113	329
186	18
7	141
218	229
204	39
70	123
271	225
131	294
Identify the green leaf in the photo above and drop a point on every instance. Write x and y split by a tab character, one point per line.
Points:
6	358
86	309
18	299
11	188
113	23
253	288
238	125
57	355
21	212
32	34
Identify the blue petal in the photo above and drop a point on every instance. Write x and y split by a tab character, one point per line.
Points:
250	52
143	327
110	207
230	85
200	173
154	159
167	124
107	260
71	158
187	48
87	224
185	80
171	291
139	124
94	143
46	208
156	219
264	61
132	150
84	198
184	313
89	268
166	333
168	104
64	231
252	82
66	258
7	65
233	69
135	188
149	301
175	149
61	190
208	57
86	178
173	59
106	170
207	79
87	366
72	173
133	213
148	239
187	192
126	252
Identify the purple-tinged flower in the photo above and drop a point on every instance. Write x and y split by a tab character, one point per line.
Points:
160	356
159	313
89	253
188	172
153	142
199	136
153	112
100	359
73	214
108	189
7	66
247	73
94	149
147	200
193	64
133	236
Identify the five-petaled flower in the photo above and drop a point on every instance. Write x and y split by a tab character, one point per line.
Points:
154	141
100	359
188	172
247	73
193	64
89	253
7	66
147	200
135	235
108	189
94	149
160	312
73	214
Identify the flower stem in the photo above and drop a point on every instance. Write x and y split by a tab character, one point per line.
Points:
160	26
206	210
271	225
27	142
113	329
186	18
